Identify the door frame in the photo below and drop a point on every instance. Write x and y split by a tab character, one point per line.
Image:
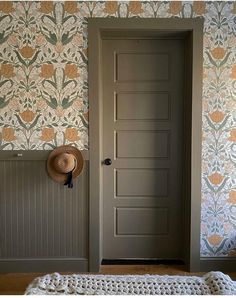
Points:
192	29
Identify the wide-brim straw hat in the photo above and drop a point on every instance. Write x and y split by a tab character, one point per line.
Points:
62	160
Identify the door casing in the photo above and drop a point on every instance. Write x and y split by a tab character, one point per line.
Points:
192	32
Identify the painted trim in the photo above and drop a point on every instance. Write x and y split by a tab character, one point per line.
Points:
44	265
226	264
107	26
95	152
31	154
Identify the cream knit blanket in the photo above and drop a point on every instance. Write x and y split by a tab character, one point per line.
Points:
212	283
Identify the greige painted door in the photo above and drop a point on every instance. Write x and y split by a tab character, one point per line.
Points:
143	81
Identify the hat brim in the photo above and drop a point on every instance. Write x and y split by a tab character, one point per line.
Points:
59	177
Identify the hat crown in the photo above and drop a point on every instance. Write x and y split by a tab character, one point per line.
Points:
64	163
63	160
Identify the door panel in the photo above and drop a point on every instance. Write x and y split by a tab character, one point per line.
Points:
141	66
155	106
141	182
129	221
131	143
142	134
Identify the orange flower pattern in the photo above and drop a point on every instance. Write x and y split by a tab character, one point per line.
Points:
217	116
232	197
216	178
6	6
7	71
71	134
199	7
232	137
71	6
48	134
44	91
46	6
71	71
47	70
218	53
8	134
27	116
135	7
233	72
111	7
215	239
175	7
27	52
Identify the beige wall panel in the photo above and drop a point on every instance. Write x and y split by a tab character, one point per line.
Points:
38	217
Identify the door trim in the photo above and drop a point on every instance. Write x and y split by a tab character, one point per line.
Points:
192	29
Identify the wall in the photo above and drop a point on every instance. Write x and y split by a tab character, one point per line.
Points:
43	225
44	90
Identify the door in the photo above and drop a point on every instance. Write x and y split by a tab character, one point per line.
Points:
142	82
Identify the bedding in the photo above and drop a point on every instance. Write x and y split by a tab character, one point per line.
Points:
212	283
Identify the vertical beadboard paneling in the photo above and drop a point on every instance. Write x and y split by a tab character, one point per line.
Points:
38	217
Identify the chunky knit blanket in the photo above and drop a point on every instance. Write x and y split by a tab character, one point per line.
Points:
215	283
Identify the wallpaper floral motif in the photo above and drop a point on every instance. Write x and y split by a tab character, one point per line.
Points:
44	90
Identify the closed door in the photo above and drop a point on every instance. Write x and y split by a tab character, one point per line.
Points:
143	82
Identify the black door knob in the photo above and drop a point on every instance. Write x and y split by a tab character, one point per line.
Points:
107	162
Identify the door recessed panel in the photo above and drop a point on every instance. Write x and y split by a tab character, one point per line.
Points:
142	182
143	144
142	106
130	221
142	67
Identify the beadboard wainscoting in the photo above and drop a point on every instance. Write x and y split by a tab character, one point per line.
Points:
43	224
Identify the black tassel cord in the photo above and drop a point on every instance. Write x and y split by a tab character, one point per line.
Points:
69	180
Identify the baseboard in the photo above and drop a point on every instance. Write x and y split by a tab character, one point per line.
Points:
218	264
44	265
141	262
81	265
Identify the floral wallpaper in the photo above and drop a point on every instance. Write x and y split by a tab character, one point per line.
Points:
44	90
43	58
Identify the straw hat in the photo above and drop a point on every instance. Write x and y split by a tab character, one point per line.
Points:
64	162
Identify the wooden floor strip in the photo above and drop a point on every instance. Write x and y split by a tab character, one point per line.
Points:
16	283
